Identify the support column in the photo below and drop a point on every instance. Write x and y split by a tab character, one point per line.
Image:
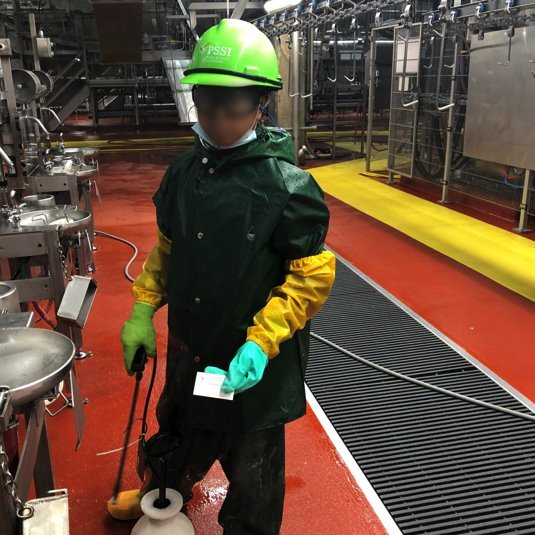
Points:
524	205
371	100
296	100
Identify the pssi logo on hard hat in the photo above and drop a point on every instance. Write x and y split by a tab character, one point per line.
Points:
216	50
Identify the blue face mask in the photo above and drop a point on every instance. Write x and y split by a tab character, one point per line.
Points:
249	136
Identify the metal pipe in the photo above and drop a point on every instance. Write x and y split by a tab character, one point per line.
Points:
56	116
524	205
371	100
449	134
303	128
296	103
348	42
136	104
292	93
354	73
320	52
8	160
440	67
415	118
404	75
18	182
335	94
311	68
526	416
33	35
41	125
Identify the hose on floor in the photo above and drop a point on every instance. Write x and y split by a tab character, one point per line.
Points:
129	243
451	393
43	314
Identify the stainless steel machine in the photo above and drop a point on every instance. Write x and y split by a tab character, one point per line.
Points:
46	254
32	364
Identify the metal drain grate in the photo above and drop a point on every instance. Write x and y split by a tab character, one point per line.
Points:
440	465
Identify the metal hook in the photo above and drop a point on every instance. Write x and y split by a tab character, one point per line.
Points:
284	26
291	95
329	7
403	78
302	44
406	15
183	29
354	74
510	33
310	9
480	9
441	64
443	8
378	18
335	43
430	66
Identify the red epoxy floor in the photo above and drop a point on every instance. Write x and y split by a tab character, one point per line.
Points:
321	497
492	323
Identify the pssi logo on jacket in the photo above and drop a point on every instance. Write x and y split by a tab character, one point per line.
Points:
216	50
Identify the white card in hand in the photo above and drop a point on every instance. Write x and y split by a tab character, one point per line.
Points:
209	385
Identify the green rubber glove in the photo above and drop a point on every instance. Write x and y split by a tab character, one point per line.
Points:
246	368
138	331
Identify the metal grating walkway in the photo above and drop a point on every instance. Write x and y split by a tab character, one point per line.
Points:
440	465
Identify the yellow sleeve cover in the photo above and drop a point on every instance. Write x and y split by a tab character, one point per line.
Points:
289	306
150	286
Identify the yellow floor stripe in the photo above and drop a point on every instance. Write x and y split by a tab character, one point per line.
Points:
126	142
141	149
503	256
343	134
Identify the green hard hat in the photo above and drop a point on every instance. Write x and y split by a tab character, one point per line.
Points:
234	53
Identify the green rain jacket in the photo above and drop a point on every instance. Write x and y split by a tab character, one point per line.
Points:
234	217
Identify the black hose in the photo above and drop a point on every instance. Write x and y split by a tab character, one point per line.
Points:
147	400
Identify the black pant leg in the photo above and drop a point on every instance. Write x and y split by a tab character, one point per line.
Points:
199	449
254	464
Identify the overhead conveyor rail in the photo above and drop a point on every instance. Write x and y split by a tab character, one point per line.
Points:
441	465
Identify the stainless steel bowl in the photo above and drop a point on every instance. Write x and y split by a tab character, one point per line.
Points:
86	171
40	201
70	220
33	362
9	299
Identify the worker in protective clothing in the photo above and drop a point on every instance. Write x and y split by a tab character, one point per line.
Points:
240	262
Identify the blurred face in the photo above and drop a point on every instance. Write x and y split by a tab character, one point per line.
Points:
227	113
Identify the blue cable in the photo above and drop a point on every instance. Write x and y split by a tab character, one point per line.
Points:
265	111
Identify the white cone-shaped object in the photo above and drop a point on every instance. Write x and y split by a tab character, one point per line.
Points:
168	521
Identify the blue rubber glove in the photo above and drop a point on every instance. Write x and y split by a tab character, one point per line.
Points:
246	368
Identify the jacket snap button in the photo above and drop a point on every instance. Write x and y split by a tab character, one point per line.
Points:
200	235
211	170
204	160
197	300
197	359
